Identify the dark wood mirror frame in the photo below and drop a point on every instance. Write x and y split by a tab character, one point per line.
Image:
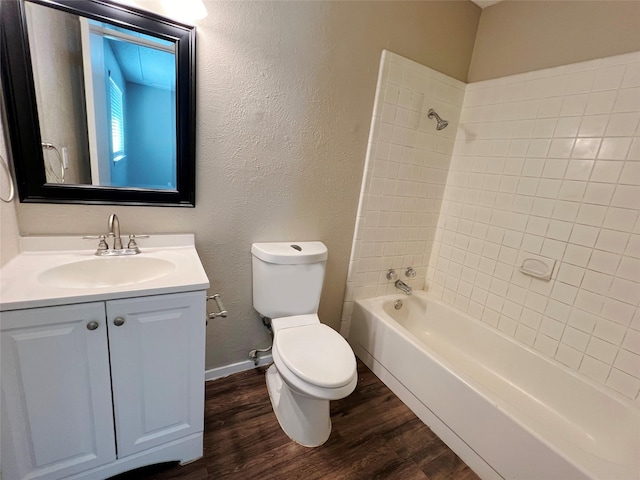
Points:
22	112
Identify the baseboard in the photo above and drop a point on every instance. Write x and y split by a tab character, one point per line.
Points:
225	371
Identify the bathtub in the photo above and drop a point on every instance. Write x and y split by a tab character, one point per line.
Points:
506	410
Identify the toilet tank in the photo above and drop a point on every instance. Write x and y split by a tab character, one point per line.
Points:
287	277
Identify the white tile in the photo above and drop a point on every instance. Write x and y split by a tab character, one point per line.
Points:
632	341
593	125
559	230
600	102
570	274
634	150
589	301
631	76
622	124
552	328
564	293
630	173
575	105
525	334
612	241
572	190
531	319
553	249
549	188
567	127
591	215
587	148
544	128
543	207
633	247
608	331
623	383
597	282
626	196
575	338
621	218
604	262
606	171
625	291
609	78
584	235
563	210
562	147
603	351
577	255
599	193
594	369
557	310
628	100
545	345
614	148
579	169
629	269
568	356
533	167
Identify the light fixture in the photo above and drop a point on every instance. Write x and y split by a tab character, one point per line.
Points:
185	10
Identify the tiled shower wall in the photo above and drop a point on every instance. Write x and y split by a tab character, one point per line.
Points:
404	179
548	163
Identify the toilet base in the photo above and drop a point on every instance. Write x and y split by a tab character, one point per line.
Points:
305	420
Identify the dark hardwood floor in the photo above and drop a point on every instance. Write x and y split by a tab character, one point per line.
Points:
374	436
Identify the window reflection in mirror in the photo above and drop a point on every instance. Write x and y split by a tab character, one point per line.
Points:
106	99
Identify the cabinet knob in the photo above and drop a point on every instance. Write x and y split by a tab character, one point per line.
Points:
92	325
118	321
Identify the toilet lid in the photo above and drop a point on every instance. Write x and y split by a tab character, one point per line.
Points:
318	354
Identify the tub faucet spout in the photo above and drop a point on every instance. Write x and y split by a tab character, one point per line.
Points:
404	287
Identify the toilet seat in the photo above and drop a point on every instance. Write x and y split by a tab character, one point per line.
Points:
317	354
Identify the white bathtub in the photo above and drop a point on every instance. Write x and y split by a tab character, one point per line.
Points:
506	410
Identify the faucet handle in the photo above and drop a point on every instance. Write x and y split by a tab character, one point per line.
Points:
132	242
102	244
410	273
391	274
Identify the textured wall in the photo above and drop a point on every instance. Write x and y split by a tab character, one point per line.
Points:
285	95
404	179
548	163
516	36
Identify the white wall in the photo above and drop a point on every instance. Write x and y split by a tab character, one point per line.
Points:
404	177
548	163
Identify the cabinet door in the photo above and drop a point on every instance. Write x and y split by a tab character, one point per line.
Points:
57	417
157	363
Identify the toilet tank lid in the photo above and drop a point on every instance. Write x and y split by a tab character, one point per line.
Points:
290	253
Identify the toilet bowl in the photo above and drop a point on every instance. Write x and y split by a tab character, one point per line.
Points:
312	364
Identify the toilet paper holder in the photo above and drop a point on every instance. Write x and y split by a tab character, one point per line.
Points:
222	312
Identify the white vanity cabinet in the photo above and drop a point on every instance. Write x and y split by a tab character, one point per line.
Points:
95	389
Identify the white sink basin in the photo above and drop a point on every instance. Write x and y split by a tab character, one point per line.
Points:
106	272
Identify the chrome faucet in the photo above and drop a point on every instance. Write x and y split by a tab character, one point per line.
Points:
404	287
114	231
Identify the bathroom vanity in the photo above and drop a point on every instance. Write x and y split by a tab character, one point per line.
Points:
102	372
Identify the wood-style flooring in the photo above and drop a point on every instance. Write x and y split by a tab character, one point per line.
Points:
374	436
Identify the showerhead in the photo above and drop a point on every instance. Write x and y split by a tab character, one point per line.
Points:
441	123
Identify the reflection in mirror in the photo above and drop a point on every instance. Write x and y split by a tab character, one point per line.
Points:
106	98
100	102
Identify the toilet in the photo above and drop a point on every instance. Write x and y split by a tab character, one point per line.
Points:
312	363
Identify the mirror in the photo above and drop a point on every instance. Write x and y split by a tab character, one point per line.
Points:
100	103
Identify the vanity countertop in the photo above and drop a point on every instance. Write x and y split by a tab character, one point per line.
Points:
21	284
